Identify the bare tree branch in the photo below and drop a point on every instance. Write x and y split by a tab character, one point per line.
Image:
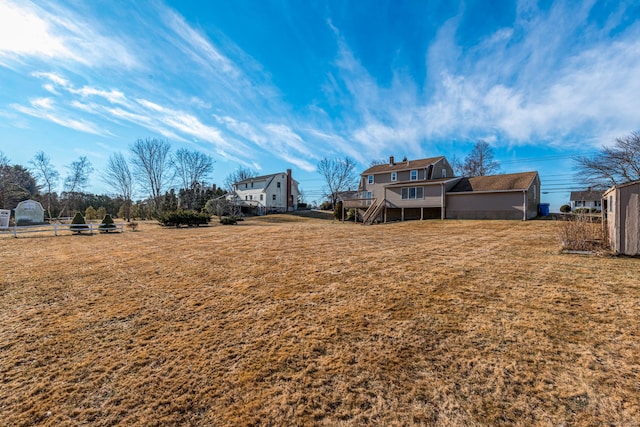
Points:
339	175
192	167
613	165
46	174
151	165
479	162
118	175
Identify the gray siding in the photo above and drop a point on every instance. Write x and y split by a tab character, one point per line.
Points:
623	224
485	205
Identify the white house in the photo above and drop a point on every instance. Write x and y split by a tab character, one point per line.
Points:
590	199
273	193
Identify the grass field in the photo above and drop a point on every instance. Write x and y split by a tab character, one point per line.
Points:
289	321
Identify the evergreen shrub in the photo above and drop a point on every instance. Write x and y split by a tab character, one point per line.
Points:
107	224
78	224
179	217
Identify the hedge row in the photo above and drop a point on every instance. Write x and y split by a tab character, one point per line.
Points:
180	217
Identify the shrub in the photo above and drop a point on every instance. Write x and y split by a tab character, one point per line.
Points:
325	206
179	217
78	223
133	226
337	212
581	211
90	213
581	233
107	224
228	220
565	208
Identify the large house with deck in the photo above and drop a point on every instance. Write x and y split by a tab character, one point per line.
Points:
428	189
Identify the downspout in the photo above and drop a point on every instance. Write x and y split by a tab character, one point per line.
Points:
443	214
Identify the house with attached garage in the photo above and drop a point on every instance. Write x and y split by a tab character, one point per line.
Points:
260	195
428	189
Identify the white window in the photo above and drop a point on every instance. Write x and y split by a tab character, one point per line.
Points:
394	176
261	197
411	193
246	185
414	175
251	184
371	181
246	197
278	185
444	173
274	196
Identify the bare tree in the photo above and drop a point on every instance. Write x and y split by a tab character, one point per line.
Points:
78	175
192	167
47	176
339	176
479	162
611	165
151	165
238	175
118	175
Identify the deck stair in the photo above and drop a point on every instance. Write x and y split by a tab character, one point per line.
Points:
373	211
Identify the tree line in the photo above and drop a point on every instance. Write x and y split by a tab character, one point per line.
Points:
167	181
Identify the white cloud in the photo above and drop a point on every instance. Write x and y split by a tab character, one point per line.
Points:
71	123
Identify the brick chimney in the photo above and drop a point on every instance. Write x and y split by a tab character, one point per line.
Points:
391	161
289	194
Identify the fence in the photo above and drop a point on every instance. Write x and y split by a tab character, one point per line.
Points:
44	228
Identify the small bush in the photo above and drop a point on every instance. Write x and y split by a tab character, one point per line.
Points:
337	212
325	206
565	208
179	217
581	233
229	220
78	224
107	224
133	226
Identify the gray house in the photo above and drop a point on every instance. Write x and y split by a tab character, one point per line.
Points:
427	189
621	214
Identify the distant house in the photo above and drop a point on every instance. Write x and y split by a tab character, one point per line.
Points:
273	193
427	189
621	213
588	198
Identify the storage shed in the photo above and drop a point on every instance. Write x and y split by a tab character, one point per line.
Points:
29	212
621	214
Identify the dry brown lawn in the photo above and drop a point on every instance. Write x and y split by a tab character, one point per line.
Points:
284	321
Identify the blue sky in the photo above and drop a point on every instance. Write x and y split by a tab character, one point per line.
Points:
273	85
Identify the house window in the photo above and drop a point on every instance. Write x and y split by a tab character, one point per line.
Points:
246	197
444	173
261	197
251	184
597	203
411	193
250	197
245	185
610	203
278	185
534	192
371	179
414	175
274	196
394	176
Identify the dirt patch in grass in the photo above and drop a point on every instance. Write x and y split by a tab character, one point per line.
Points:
312	322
